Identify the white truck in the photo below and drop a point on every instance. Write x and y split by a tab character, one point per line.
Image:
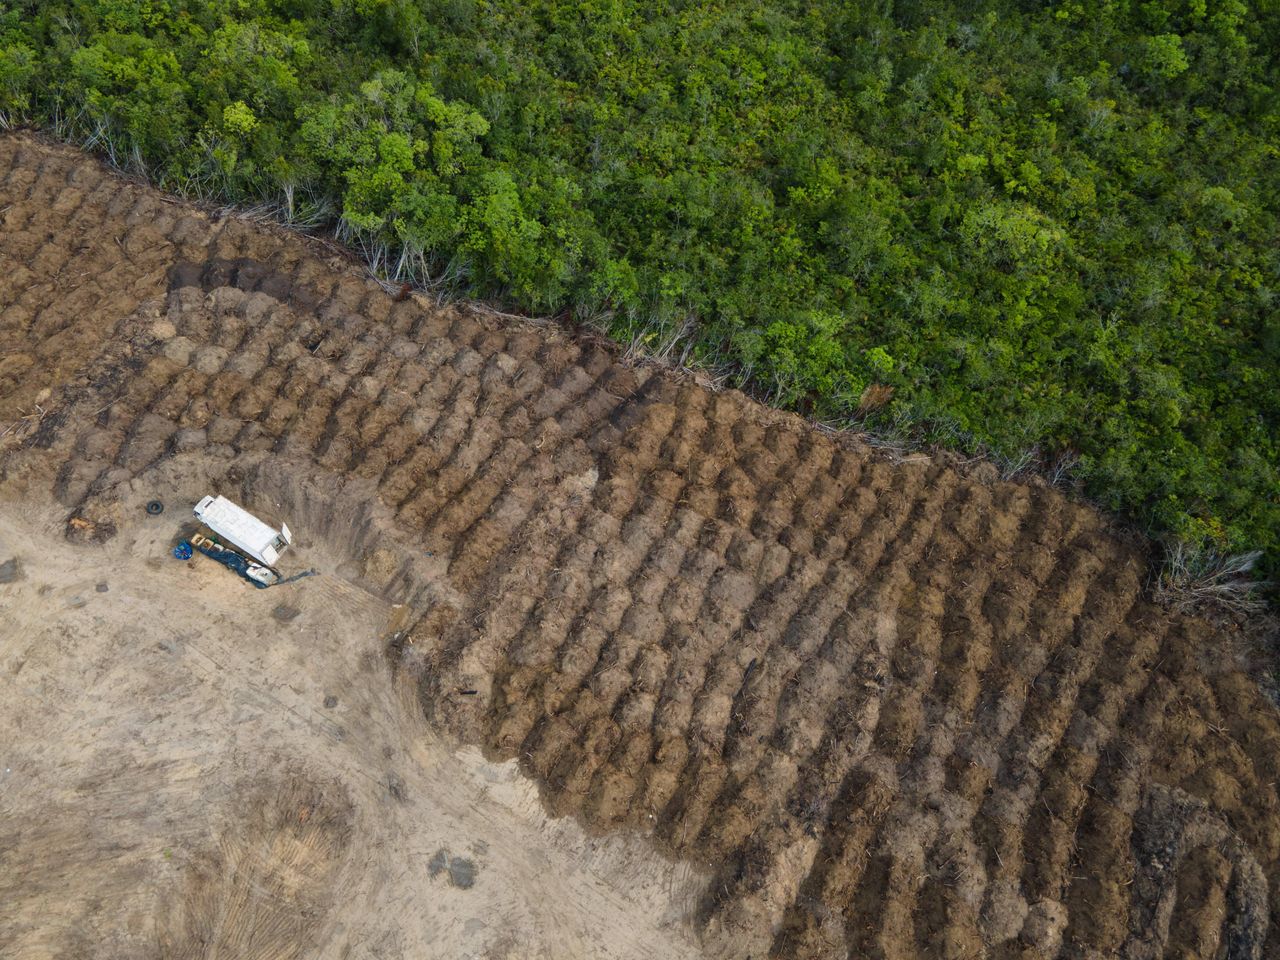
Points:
240	528
240	540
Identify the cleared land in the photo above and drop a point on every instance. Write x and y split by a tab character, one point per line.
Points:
874	708
186	775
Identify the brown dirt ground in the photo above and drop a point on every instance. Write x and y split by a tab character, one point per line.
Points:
889	708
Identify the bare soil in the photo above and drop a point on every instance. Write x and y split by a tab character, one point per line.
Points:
822	703
184	777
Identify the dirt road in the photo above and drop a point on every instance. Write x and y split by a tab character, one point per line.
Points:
884	708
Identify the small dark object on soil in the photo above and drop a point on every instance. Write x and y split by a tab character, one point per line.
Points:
403	294
462	872
396	786
101	588
468	693
155	507
330	702
438	863
284	613
10	571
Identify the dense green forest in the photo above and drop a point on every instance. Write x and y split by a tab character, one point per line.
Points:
1053	229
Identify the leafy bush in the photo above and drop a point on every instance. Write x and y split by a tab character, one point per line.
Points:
1021	227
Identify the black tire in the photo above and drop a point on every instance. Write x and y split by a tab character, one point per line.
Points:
155	508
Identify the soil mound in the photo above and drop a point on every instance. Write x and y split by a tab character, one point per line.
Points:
899	710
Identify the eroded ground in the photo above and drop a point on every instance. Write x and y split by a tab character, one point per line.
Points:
887	709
